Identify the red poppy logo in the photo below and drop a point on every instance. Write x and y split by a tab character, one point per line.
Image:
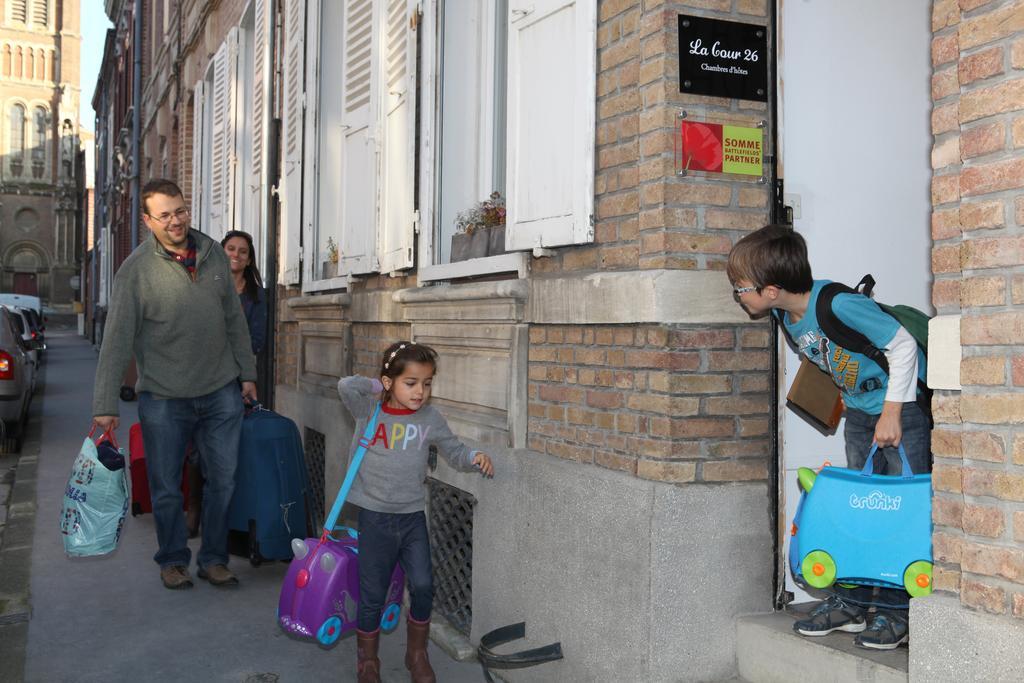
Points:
702	146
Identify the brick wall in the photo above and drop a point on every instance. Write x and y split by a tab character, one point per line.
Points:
671	403
667	402
978	229
645	217
286	341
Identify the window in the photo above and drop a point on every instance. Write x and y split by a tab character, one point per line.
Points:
245	202
16	139
360	141
35	13
471	100
215	164
513	110
40	13
18	11
39	136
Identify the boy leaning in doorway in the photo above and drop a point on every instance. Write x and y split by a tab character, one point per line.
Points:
770	274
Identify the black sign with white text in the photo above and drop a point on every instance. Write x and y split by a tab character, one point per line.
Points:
723	58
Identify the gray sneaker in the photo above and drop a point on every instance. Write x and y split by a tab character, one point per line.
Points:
886	632
831	615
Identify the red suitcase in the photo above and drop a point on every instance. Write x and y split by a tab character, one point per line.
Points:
141	502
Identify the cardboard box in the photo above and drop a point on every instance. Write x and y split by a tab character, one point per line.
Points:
815	397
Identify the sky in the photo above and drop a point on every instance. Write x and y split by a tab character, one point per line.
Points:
94	33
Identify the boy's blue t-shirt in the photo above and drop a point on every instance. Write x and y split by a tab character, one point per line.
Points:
862	381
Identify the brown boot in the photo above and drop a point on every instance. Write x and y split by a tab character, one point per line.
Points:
416	660
368	666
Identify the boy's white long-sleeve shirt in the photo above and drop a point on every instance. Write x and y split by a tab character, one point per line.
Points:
394	469
901	353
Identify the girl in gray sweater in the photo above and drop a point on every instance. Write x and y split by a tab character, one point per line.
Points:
390	494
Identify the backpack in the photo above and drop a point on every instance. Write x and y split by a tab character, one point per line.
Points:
913	320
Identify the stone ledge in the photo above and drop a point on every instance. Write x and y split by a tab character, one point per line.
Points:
514	289
767	649
500	301
319	307
639	296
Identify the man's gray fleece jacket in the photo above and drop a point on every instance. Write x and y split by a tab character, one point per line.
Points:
189	338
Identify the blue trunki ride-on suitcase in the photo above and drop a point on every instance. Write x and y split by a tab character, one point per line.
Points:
862	528
268	508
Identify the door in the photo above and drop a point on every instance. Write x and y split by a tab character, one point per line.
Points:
25	283
855	144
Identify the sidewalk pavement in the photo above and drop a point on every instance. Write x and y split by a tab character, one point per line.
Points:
111	619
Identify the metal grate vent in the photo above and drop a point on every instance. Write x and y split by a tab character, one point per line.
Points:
451	550
316	449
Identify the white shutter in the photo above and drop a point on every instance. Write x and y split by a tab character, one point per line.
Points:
551	108
232	139
292	128
198	147
359	135
222	139
398	154
256	191
315	188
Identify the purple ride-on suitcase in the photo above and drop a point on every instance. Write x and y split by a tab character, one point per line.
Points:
320	593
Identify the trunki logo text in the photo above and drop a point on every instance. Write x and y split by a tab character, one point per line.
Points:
876	500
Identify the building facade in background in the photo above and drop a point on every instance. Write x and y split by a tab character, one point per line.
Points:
39	142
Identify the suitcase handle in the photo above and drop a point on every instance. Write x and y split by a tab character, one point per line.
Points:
350	476
868	465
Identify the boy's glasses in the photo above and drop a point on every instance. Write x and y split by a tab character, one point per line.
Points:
165	218
743	290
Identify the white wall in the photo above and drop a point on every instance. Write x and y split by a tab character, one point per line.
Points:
855	102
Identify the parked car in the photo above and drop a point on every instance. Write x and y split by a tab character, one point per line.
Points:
23	300
23	325
16	378
39	324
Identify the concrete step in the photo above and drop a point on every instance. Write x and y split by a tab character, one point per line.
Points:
769	651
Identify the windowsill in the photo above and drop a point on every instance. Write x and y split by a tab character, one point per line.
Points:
514	262
331	283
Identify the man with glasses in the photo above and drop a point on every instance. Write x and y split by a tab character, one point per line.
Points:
174	307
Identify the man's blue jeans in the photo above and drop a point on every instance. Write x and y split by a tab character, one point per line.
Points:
213	423
384	540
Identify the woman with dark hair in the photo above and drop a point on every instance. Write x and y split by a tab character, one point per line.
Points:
242	259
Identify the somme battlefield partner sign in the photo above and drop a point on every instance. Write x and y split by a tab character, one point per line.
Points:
723	58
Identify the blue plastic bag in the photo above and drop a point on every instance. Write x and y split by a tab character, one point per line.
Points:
95	500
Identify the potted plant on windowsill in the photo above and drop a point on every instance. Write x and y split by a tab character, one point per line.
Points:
480	230
330	265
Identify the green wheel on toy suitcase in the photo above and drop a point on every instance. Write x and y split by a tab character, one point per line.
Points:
818	569
917	579
329	631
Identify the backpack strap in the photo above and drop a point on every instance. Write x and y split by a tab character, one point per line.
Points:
841	333
852	340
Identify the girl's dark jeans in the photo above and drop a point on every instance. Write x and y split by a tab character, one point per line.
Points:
916	440
384	540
